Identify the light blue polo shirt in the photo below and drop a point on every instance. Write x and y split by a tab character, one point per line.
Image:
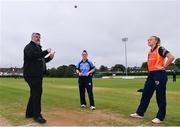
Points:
85	67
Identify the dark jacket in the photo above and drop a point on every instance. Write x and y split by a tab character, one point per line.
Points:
34	60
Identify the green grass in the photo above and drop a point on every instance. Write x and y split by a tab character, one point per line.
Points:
112	95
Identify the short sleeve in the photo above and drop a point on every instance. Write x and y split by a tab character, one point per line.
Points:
77	66
92	65
163	52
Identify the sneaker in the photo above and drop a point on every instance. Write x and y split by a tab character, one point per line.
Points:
135	115
92	108
156	121
83	106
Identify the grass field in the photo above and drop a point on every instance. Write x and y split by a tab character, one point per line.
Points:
115	96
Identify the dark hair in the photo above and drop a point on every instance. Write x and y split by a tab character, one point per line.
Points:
158	40
84	51
36	34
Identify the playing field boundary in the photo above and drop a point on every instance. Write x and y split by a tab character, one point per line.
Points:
124	77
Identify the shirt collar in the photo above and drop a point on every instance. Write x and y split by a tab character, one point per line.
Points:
35	43
84	61
154	48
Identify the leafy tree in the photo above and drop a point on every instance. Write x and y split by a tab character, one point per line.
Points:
66	71
172	66
52	72
118	67
144	65
103	68
70	70
177	62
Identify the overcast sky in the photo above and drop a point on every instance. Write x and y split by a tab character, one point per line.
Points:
95	25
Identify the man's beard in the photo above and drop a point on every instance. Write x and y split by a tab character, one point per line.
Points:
38	42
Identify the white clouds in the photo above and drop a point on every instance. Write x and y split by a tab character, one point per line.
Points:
97	26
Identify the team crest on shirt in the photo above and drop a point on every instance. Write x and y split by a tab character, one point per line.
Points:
87	65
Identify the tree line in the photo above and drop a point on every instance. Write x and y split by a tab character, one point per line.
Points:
69	70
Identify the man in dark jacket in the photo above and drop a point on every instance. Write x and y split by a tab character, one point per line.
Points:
34	68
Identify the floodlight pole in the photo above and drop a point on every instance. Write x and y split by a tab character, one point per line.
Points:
125	39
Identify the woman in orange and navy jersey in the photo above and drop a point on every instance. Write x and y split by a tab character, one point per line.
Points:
158	59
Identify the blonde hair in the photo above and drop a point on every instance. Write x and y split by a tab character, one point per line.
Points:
158	40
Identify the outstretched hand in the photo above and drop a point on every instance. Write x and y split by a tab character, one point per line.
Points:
49	50
52	54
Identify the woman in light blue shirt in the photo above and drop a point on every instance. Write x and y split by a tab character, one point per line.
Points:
85	69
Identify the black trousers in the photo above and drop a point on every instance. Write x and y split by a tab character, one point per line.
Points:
156	81
174	78
85	83
34	103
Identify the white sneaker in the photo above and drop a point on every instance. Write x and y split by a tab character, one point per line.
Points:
135	115
92	108
83	106
156	121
